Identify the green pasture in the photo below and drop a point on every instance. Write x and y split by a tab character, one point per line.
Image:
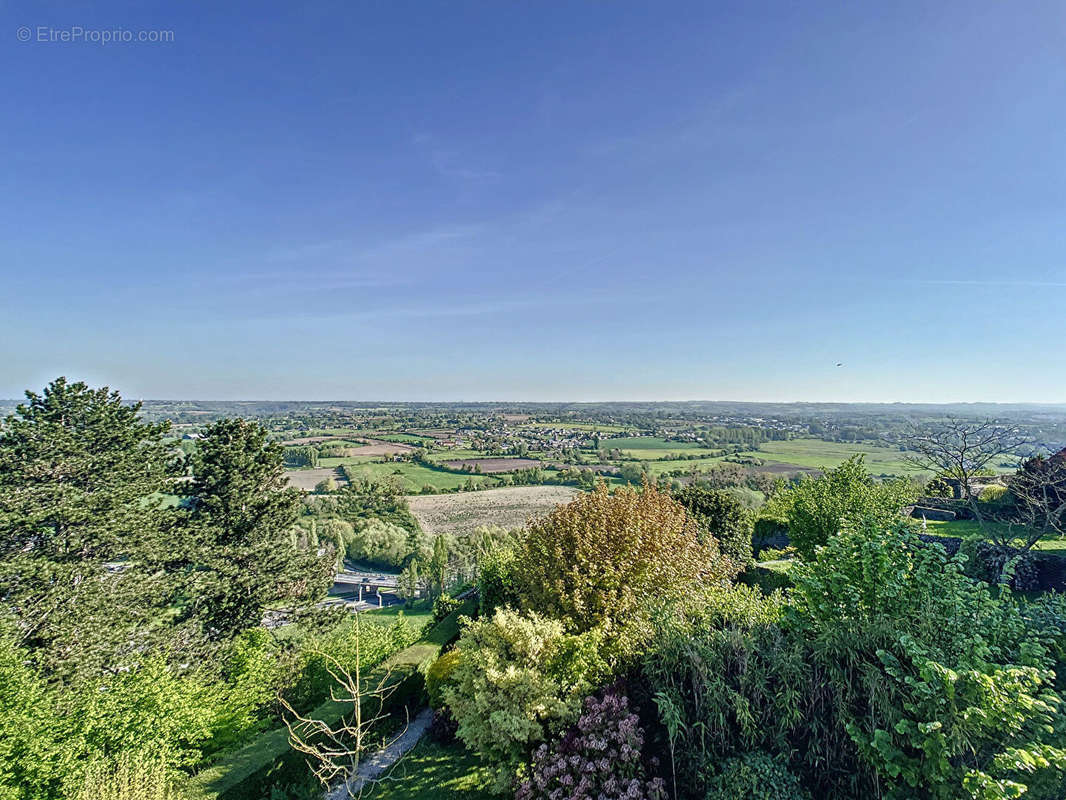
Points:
648	448
820	454
457	453
657	468
339	461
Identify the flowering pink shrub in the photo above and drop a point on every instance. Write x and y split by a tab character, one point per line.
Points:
599	758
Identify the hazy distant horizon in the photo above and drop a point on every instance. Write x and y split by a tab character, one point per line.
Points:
1058	406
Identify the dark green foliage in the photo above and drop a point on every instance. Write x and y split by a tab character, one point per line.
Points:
439	675
769	532
891	674
996	563
723	516
731	677
767	580
496	580
80	541
240	518
444	605
304	456
941	685
938	487
755	776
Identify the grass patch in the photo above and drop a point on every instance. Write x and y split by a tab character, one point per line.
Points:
433	771
970	529
419	615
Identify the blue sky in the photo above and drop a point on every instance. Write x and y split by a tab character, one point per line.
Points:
572	201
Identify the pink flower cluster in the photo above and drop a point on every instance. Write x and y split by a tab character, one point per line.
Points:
599	758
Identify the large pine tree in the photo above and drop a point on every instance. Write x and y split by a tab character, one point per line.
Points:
240	518
80	481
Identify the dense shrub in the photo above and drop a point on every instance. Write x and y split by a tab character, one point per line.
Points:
595	561
383	544
992	494
819	508
346	646
444	605
519	679
496	579
769	531
726	680
131	776
755	776
723	516
31	765
768	580
938	487
890	674
942	686
599	758
439	675
995	563
443	728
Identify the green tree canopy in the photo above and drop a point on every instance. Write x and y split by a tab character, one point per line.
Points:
819	508
80	477
239	521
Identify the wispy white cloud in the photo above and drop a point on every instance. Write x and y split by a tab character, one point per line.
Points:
449	162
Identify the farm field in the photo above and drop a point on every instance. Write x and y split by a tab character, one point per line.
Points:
507	507
819	454
649	447
307	479
415	476
490	465
402	438
656	468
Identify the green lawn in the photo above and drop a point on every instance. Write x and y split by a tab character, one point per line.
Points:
968	529
434	772
419	615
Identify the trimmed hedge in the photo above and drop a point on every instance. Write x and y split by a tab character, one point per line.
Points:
251	772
